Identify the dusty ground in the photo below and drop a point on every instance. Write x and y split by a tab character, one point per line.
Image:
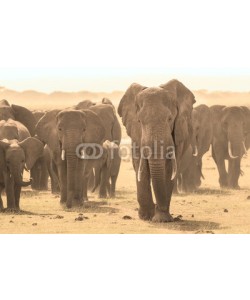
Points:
210	210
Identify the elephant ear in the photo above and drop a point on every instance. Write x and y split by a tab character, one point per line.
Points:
127	111
46	128
184	101
4	102
33	149
95	130
25	116
4	144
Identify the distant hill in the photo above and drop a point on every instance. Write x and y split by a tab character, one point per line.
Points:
222	97
59	99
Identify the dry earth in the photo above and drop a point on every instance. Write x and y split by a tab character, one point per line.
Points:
210	210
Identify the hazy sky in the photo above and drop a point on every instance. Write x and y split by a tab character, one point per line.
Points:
110	79
106	45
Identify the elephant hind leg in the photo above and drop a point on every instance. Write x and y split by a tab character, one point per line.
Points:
1	201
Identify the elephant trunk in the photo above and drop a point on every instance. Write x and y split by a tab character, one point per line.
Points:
157	169
74	175
236	145
18	178
72	166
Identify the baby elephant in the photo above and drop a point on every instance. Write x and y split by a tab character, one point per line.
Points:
107	170
14	156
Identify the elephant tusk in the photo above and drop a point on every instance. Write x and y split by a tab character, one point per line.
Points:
63	155
245	149
230	151
139	171
83	154
174	169
195	154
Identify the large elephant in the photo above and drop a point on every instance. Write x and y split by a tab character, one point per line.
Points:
246	125
63	131
200	144
228	143
44	168
18	113
158	120
102	177
17	150
112	126
40	172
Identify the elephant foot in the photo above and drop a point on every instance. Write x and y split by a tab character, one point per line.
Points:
146	214
69	204
102	196
112	195
223	184
80	202
62	203
162	216
234	187
12	210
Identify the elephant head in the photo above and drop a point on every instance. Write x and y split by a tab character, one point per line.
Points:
19	154
8	130
85	104
18	113
233	127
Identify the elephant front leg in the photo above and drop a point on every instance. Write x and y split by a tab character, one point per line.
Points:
113	186
220	162
9	189
103	184
62	174
144	193
234	173
163	189
17	191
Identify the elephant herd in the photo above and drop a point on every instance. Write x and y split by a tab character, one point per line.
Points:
79	147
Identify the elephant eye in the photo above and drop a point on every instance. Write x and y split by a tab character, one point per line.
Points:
170	119
7	161
22	161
